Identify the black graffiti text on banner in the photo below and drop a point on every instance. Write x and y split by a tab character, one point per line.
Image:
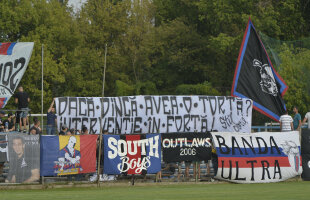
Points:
155	114
186	147
257	157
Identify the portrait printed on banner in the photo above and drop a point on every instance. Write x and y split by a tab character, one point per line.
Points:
24	159
69	156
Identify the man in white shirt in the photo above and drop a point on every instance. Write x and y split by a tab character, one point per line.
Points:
286	122
307	118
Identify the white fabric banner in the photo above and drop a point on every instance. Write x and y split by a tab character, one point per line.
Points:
12	67
257	157
155	114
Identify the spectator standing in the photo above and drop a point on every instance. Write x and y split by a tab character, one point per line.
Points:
51	120
286	122
307	118
22	99
297	119
9	123
35	129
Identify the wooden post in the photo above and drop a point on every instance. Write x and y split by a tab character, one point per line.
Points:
133	179
99	158
196	175
100	136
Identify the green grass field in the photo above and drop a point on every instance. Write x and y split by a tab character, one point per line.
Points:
284	190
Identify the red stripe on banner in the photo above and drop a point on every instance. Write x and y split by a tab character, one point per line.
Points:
4	48
88	146
242	162
2	102
264	113
136	157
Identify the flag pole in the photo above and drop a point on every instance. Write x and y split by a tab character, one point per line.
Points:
100	135
42	49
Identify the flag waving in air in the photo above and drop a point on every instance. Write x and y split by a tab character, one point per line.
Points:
256	79
14	58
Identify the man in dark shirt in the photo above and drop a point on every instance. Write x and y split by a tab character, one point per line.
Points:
9	123
51	120
35	129
63	130
22	99
22	168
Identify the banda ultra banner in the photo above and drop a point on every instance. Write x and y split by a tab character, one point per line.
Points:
14	58
179	147
155	114
257	157
65	155
132	154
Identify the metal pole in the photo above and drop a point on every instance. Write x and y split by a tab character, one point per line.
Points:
196	169
42	91
100	136
105	65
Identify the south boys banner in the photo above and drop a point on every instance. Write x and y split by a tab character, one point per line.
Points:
14	58
256	79
257	157
179	147
24	158
132	154
155	114
65	155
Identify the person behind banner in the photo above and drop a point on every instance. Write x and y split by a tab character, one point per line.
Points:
84	131
286	122
35	129
22	99
297	119
307	119
64	129
22	168
9	123
51	120
2	113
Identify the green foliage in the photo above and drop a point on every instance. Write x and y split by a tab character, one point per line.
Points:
122	89
294	69
198	89
153	47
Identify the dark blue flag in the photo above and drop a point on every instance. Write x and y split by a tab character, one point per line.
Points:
256	79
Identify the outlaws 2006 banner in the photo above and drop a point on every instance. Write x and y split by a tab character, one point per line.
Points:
132	154
14	58
64	155
257	157
186	147
155	114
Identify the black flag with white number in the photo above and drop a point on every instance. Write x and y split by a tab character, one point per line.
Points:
256	79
